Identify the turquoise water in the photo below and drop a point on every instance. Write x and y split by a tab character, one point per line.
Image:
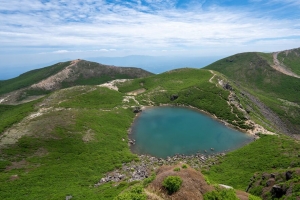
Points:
166	131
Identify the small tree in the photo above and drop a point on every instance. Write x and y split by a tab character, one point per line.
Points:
172	183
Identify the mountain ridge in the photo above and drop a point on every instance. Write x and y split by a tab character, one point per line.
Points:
37	83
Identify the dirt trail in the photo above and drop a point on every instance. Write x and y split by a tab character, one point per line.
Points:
281	68
210	80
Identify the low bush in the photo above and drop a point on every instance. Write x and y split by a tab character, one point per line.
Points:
172	183
184	166
177	169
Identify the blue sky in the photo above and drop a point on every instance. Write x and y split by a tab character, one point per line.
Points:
45	31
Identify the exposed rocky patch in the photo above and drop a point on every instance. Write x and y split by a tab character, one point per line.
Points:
113	84
139	170
268	114
276	184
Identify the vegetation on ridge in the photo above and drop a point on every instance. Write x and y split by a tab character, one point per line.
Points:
31	77
192	87
253	73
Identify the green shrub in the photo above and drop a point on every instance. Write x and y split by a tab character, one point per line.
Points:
257	190
172	183
184	166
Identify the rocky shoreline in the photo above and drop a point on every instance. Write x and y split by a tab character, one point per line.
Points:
146	165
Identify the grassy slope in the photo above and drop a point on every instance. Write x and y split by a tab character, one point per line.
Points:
253	72
266	154
70	166
31	77
10	115
192	87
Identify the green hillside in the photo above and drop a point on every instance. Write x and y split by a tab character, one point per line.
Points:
253	73
291	58
31	77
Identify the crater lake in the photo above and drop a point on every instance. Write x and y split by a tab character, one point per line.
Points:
166	131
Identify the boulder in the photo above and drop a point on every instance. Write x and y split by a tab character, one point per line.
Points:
173	97
277	191
69	197
288	175
270	182
227	86
137	110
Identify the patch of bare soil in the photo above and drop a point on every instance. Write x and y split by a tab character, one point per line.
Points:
38	124
17	165
193	185
14	177
281	67
113	84
136	92
88	136
41	152
242	195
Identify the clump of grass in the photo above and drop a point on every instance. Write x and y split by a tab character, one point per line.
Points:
184	166
177	169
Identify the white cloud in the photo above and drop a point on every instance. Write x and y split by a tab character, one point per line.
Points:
92	24
61	51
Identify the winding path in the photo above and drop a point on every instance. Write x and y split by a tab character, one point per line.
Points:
210	80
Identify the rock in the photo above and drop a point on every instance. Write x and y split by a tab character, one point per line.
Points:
137	109
174	97
288	175
69	197
227	86
272	175
277	191
270	182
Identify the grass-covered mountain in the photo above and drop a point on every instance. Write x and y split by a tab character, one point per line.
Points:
64	143
264	78
62	75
